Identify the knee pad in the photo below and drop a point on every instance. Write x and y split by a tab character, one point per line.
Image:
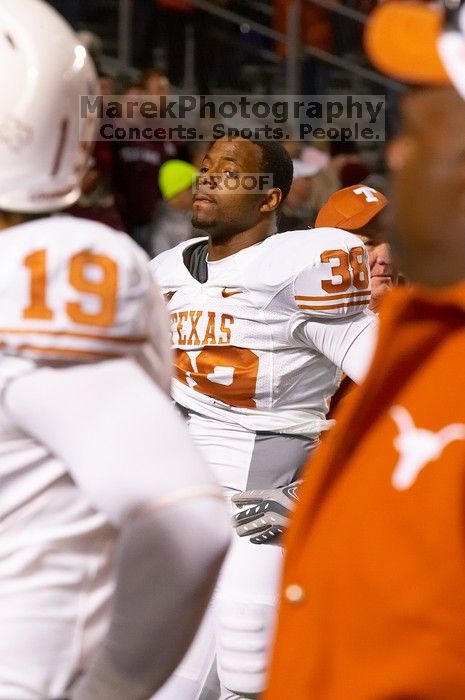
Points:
244	635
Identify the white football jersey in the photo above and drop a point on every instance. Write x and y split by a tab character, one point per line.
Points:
83	447
242	353
56	562
71	289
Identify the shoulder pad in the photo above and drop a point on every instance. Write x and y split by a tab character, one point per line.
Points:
283	256
336	280
74	289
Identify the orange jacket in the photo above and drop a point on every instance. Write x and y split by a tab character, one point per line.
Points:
373	597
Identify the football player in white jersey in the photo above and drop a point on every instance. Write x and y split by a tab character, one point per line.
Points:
105	506
262	326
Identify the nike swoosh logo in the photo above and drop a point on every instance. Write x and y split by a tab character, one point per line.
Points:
168	296
225	293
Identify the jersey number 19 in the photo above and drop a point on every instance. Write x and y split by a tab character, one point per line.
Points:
82	267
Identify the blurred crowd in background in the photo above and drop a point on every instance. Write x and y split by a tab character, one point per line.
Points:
145	187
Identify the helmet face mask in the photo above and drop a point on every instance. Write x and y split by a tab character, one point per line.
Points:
44	145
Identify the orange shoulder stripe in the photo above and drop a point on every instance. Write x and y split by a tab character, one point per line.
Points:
330	297
361	302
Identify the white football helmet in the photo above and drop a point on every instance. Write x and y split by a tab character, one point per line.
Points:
44	145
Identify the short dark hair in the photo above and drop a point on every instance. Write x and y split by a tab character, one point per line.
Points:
277	161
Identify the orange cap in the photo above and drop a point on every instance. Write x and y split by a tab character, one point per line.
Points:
351	208
401	40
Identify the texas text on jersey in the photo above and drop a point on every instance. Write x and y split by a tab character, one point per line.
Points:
243	349
260	339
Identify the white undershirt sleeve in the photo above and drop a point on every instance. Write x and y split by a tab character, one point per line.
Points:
348	342
116	431
128	451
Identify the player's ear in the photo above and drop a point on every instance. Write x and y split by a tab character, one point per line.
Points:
397	152
271	200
